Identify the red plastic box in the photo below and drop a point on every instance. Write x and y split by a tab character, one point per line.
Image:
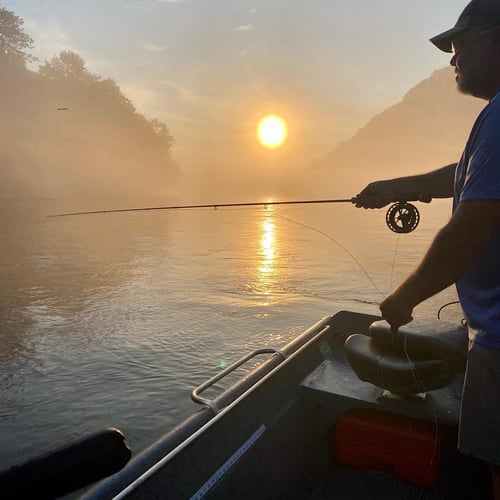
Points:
407	448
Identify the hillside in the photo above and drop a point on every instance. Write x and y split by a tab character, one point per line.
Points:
426	130
71	136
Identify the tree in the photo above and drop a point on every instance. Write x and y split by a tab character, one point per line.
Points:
162	131
67	65
112	92
14	42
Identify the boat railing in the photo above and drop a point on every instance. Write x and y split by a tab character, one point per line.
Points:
247	381
150	460
212	404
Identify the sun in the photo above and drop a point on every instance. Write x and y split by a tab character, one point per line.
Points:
272	131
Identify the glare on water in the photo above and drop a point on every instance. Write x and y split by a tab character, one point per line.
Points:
113	320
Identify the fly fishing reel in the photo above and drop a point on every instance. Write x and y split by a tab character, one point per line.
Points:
402	217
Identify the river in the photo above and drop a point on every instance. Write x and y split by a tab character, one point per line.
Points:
112	320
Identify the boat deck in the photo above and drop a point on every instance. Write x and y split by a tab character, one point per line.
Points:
301	464
294	462
276	441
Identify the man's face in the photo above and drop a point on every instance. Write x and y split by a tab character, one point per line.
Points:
475	67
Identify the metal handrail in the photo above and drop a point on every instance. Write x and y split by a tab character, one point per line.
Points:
195	394
151	460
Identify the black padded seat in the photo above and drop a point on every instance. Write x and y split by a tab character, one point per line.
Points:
413	361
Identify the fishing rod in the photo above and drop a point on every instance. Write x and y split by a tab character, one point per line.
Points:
401	217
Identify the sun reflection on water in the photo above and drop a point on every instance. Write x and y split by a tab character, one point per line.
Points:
267	269
267	247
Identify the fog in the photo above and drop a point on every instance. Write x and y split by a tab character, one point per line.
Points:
79	133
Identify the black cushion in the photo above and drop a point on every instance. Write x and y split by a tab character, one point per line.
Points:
424	341
399	374
412	361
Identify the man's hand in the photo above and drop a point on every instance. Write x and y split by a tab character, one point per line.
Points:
422	187
396	312
376	195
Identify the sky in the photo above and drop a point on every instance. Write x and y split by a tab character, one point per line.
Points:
210	69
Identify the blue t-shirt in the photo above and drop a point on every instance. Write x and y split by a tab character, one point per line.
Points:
478	178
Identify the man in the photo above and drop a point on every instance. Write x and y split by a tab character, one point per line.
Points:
466	251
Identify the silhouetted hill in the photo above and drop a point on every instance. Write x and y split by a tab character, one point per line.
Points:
426	130
73	136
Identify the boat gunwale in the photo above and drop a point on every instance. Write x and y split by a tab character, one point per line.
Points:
262	373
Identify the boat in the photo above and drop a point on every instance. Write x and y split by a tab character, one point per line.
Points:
346	410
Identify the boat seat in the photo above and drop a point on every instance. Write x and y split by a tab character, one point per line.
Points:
411	361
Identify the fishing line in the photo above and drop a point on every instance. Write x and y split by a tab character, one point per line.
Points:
433	412
326	235
418	380
394	262
401	218
410	432
415	374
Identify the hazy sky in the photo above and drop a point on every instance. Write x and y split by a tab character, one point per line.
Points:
211	68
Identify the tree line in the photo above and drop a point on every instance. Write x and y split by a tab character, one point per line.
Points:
67	132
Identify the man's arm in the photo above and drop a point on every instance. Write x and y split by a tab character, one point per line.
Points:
435	184
468	231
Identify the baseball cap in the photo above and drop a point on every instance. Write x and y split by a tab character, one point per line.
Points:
477	14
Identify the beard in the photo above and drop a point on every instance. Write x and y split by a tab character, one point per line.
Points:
470	85
475	80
